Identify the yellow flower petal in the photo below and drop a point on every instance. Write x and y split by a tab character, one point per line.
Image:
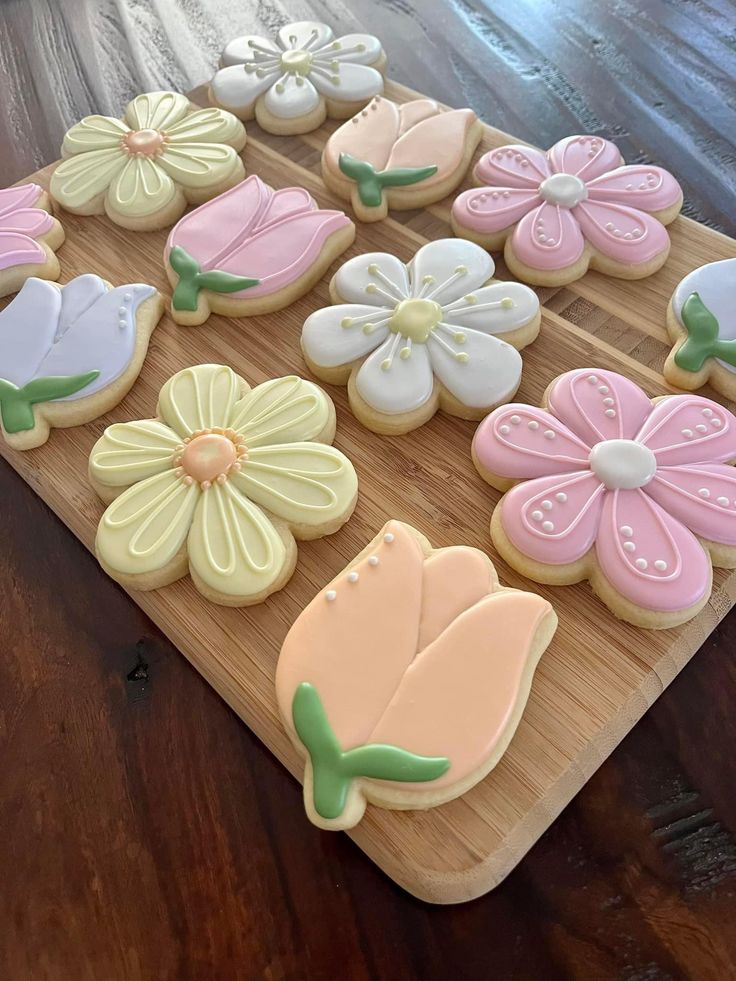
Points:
157	110
80	179
94	133
207	126
199	397
141	188
283	410
131	451
199	164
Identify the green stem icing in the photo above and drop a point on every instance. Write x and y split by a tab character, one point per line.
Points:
16	404
334	769
702	340
371	182
192	279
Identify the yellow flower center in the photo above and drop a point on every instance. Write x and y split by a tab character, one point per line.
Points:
209	456
147	142
415	319
296	62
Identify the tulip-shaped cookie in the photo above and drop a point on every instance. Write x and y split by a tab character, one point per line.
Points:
404	680
29	236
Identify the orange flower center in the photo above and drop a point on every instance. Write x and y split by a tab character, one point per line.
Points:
148	142
209	456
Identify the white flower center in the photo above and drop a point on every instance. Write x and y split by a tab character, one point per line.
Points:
296	62
564	190
622	463
415	319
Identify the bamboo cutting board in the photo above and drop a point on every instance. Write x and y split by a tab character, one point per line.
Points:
598	676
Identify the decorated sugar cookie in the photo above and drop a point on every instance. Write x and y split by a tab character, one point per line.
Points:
292	83
570	208
142	171
251	250
28	237
70	353
634	495
701	320
399	156
409	339
404	680
220	484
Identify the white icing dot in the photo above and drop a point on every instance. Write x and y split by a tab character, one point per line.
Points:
701	428
660	565
608	401
547	526
127	297
603	389
373	560
707	413
641	563
504	430
330	595
611	413
537	515
533	424
687	433
122	311
122	324
593	379
717	423
547	505
704	492
723	501
626	530
353	577
561	497
515	420
630	546
388	537
549	434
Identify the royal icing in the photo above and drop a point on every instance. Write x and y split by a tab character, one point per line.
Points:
611	471
21	223
406	325
404	679
249	242
551	205
209	473
704	304
64	344
292	76
390	146
162	150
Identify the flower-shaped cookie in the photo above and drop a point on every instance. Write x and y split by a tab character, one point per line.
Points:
28	237
144	170
631	494
409	339
292	83
220	485
572	207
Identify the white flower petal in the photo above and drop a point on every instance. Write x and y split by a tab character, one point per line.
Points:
455	265
27	328
488	309
237	89
348	82
303	483
244	49
142	530
362	49
376	278
392	384
283	410
329	340
128	452
200	397
94	133
156	110
291	96
490	375
211	125
141	188
198	165
80	179
233	547
305	34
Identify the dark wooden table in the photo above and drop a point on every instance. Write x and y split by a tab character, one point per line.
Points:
144	832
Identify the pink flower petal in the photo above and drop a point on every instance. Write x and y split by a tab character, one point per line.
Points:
548	238
454	579
585	156
17	250
285	202
664	568
513	166
522	441
598	404
27	221
491	210
686	429
23	196
621	233
702	497
554	519
639	186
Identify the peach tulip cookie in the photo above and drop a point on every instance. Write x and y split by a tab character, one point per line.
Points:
399	156
409	339
143	171
70	353
29	236
701	321
251	250
577	206
404	680
293	82
220	485
635	495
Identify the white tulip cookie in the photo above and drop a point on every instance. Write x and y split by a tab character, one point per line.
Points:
409	339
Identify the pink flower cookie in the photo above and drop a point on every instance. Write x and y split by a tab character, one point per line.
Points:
570	208
250	251
29	236
633	495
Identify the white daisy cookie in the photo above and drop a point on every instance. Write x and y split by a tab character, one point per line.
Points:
436	333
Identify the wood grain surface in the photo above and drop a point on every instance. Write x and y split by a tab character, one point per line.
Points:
146	834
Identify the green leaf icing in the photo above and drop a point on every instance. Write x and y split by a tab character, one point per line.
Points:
192	279
702	340
371	182
16	404
334	769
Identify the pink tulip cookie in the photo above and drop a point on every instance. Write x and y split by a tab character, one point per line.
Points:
404	680
399	156
409	339
635	495
571	208
70	353
29	236
250	251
